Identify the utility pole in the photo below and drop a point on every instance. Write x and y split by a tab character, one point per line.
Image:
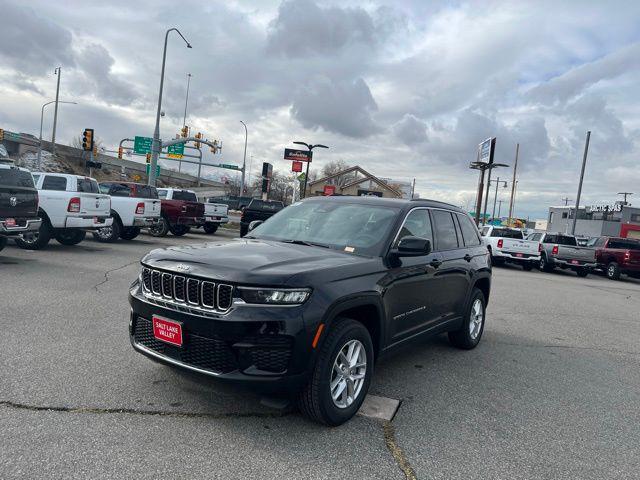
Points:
566	201
186	100
584	163
244	158
513	186
625	194
495	198
413	189
57	72
499	207
157	143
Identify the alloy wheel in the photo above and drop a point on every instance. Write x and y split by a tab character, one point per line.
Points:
476	319
348	374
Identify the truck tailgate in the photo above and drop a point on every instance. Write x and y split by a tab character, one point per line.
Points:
576	254
152	208
94	204
513	245
18	202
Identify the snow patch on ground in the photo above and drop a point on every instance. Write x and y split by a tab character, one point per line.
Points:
48	163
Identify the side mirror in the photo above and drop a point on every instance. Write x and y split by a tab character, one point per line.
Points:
255	223
413	247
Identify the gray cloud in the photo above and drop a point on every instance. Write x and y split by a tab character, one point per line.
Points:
30	43
411	130
336	106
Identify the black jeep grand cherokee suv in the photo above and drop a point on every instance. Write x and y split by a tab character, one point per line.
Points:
308	301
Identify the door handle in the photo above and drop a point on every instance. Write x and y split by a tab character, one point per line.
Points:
435	263
468	257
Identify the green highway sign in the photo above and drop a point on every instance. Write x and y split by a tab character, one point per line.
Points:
142	145
230	167
157	169
301	177
175	151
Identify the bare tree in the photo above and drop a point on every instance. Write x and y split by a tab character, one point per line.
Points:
334	167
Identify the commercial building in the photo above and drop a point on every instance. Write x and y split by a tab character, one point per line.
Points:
617	220
354	181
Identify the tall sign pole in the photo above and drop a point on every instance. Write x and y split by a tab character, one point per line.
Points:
584	163
58	72
513	186
489	167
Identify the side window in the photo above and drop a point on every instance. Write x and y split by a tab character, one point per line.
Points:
485	231
54	183
469	231
104	188
35	178
445	230
119	190
417	224
162	194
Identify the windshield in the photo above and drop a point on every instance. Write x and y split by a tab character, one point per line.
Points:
351	227
506	233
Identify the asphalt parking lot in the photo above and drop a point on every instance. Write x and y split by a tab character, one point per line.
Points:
551	392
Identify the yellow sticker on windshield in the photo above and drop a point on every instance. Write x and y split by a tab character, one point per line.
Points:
349	249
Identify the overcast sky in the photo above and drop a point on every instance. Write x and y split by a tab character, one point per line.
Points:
404	88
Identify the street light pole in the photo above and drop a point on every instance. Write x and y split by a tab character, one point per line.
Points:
57	72
186	100
584	164
244	158
495	198
513	186
41	121
306	175
157	145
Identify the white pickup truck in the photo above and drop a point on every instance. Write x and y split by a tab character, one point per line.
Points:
508	245
133	206
215	214
70	205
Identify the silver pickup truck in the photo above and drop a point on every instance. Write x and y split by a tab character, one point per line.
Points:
562	251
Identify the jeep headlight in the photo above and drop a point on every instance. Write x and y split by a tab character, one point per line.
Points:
274	296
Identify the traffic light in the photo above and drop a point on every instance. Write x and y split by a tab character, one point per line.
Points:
1	134
215	147
184	132
87	139
95	150
198	136
148	158
120	152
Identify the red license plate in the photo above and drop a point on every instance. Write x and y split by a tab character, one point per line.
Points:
10	222
519	255
167	331
575	262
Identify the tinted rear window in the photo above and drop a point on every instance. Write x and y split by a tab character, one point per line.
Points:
184	195
561	240
145	191
624	244
469	230
446	237
265	206
507	233
54	183
14	177
88	185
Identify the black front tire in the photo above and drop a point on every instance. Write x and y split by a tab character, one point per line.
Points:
3	242
70	236
315	400
210	228
465	337
36	240
129	233
613	271
160	229
243	230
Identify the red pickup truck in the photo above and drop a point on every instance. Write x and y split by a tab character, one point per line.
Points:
617	255
180	211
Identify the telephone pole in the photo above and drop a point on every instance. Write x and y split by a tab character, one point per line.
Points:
57	72
566	201
625	194
513	186
584	164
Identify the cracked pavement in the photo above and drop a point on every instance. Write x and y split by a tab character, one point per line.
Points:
551	392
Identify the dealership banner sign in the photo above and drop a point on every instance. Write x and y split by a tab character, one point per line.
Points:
297	155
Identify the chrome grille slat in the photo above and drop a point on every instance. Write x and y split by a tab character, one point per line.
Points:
177	290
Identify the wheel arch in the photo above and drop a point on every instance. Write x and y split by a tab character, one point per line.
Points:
484	285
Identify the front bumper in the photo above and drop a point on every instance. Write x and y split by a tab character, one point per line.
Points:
254	346
89	223
31	225
145	222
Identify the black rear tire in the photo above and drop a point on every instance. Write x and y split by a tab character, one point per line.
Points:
544	265
179	230
3	242
109	234
70	236
582	272
463	337
210	228
36	240
129	233
243	230
160	229
613	271
315	400
527	267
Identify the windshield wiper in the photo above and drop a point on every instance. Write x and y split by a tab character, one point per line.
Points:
304	242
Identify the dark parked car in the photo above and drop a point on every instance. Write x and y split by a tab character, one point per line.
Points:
258	210
308	301
18	202
617	256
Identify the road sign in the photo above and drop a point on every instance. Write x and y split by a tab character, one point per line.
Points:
175	151
230	167
142	145
302	177
486	150
299	155
296	166
157	169
329	190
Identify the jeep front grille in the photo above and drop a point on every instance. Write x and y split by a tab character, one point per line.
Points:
188	291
